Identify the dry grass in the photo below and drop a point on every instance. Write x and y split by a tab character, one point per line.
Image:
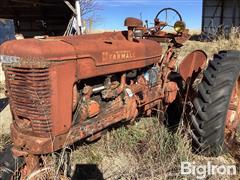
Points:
232	43
144	151
2	90
4	141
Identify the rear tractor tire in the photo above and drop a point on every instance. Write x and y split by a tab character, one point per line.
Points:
215	113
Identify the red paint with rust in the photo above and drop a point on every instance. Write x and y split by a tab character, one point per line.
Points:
104	54
43	93
66	89
194	62
233	114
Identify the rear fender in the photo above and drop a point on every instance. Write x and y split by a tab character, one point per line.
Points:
193	63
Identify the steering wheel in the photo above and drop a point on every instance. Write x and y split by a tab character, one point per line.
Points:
169	16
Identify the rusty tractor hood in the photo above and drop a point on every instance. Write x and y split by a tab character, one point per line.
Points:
99	47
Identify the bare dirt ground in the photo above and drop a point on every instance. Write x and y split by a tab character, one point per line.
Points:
146	150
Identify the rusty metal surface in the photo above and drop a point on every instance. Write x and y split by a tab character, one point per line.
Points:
32	164
194	62
171	92
51	91
133	22
29	93
121	108
52	87
233	114
232	124
103	49
63	78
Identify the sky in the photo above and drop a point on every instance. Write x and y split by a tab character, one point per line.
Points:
113	12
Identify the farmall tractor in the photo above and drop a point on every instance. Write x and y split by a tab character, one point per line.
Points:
68	89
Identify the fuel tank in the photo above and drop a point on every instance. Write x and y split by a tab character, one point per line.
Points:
96	54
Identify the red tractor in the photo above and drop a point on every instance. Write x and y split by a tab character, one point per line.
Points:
66	89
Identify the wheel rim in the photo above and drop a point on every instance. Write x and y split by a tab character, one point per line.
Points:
233	114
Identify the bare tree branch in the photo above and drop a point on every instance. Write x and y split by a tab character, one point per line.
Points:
88	7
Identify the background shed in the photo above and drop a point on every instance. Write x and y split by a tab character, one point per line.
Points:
37	17
220	15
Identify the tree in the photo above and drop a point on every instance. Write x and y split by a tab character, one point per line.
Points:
88	7
88	16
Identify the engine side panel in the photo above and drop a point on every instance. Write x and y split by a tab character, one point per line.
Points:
63	77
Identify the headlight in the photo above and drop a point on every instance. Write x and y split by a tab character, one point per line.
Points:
179	26
9	59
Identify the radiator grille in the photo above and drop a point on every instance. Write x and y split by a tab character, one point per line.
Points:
29	93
